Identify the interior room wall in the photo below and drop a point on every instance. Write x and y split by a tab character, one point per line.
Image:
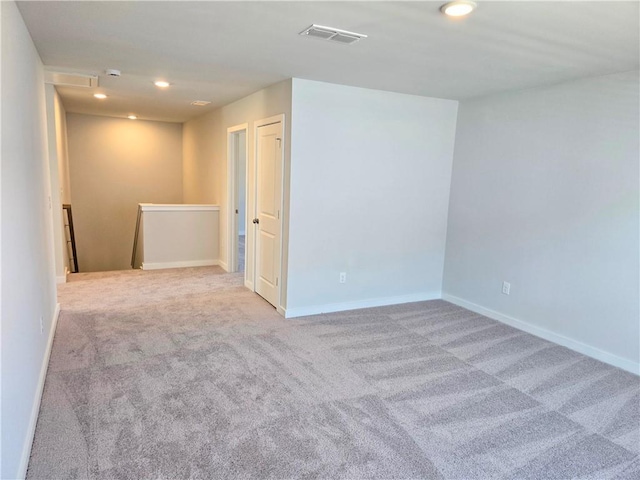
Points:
63	150
370	176
205	154
28	299
242	184
114	164
544	196
186	236
59	176
54	177
64	182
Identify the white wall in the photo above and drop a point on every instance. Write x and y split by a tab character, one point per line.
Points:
179	236
370	175
545	196
27	261
64	180
58	174
116	163
242	182
205	154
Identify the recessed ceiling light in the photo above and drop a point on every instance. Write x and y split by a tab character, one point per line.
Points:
132	117
458	8
161	84
100	96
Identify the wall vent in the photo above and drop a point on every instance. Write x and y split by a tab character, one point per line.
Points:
71	79
332	34
200	103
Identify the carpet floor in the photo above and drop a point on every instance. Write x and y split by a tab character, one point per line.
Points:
186	374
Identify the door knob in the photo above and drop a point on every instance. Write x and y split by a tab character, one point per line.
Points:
256	220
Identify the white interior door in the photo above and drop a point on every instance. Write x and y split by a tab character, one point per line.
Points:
268	217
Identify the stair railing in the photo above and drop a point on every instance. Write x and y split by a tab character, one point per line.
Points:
70	236
135	238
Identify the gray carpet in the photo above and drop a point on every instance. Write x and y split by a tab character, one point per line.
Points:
186	374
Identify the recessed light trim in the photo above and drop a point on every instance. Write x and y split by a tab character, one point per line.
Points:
458	8
161	84
100	96
132	117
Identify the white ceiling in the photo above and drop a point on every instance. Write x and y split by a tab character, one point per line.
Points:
222	51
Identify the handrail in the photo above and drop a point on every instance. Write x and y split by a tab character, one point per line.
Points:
135	237
72	237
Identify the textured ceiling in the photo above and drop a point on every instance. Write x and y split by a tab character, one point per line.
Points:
222	51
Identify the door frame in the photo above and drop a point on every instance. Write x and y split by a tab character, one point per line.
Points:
280	118
232	181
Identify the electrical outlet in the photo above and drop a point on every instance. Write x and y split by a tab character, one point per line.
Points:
506	288
41	325
343	277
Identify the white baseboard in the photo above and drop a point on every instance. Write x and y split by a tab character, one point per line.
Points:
224	266
63	278
35	409
190	263
593	352
372	302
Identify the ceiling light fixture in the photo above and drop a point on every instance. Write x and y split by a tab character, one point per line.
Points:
161	84
458	8
132	117
100	96
200	103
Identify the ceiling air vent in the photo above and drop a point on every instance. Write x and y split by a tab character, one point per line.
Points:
200	103
332	34
71	79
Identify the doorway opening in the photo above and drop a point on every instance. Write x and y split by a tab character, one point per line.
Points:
237	198
255	206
